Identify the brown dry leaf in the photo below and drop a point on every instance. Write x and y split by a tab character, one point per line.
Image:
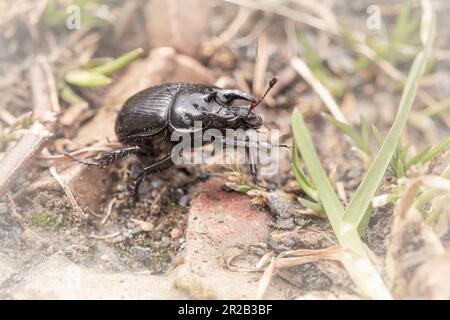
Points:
411	244
172	23
265	279
292	258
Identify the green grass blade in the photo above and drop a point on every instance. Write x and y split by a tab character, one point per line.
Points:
434	152
356	210
314	206
365	136
360	268
84	78
419	157
348	130
328	197
304	183
377	135
117	64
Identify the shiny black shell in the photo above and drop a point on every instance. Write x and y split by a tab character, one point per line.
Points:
158	109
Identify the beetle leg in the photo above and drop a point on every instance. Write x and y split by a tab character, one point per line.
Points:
251	161
162	164
115	155
108	157
252	144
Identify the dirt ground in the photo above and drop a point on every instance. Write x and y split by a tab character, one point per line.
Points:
68	230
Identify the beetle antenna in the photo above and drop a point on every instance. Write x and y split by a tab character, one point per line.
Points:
89	163
253	105
272	83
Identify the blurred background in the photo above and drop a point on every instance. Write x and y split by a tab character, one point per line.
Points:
70	65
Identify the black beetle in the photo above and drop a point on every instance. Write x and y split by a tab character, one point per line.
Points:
148	118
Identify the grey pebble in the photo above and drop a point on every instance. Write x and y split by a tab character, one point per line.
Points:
278	206
142	254
286	224
184	201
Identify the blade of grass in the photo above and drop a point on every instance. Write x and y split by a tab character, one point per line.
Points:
434	152
117	64
328	197
347	129
355	212
418	157
304	183
314	206
365	136
84	78
358	265
429	194
305	72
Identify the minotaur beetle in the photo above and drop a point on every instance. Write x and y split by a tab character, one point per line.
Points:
147	119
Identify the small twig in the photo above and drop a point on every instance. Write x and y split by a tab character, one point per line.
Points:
43	91
234	27
305	72
108	212
265	279
341	192
262	60
108	236
21	156
67	190
257	29
295	15
14	209
7	117
51	84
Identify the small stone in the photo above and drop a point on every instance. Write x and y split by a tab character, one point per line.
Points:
179	193
121	187
144	225
353	178
165	241
184	201
142	254
156	183
289	243
175	233
259	251
278	206
277	246
302	221
354	173
286	224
